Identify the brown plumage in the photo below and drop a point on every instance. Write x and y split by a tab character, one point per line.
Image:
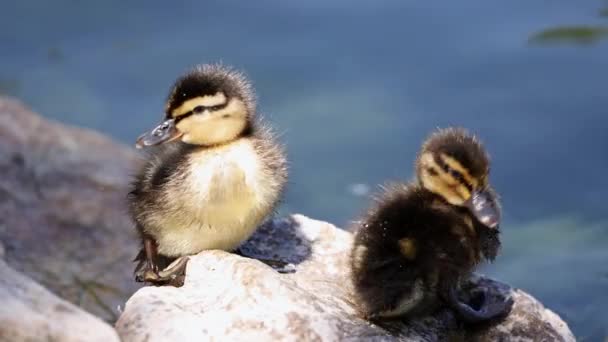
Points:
420	240
217	175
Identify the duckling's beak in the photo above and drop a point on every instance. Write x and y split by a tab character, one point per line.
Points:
162	133
483	205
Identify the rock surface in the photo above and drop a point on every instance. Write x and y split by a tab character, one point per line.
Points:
31	313
229	297
63	223
62	209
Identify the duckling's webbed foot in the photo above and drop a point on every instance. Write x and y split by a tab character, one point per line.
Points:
173	275
149	269
480	308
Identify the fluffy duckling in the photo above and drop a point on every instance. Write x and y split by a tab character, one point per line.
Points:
420	240
217	175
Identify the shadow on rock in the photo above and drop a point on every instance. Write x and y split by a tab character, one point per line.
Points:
280	240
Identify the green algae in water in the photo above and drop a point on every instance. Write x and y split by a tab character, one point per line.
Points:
571	34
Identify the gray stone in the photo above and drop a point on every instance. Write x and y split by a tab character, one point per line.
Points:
63	220
229	297
31	313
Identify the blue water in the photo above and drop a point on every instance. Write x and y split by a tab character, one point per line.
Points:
354	87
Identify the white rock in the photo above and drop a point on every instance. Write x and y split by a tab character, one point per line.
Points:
29	312
227	297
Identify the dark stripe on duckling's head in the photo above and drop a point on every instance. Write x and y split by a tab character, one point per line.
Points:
211	105
453	164
459	144
211	81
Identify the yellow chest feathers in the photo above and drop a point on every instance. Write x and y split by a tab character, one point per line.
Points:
222	176
217	203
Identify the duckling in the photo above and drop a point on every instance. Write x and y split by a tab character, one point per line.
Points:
420	240
215	173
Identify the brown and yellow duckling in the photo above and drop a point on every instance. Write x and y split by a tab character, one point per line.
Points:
217	175
421	240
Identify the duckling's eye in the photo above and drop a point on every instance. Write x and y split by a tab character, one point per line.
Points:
454	173
198	109
432	171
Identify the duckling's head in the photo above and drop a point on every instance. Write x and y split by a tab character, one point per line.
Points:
454	165
209	105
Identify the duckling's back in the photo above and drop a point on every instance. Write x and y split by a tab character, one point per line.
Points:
403	246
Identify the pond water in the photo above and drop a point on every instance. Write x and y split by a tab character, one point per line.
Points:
354	87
